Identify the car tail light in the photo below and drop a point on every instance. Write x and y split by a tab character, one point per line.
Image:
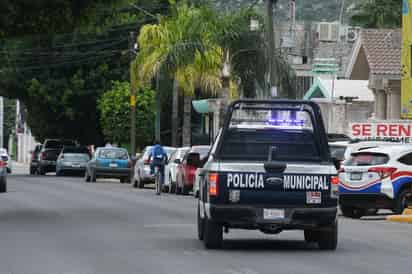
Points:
2	164
213	184
147	162
33	156
43	156
129	164
384	172
334	186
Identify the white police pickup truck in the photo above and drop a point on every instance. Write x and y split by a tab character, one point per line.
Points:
270	169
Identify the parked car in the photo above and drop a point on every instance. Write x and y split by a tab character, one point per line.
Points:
376	178
35	159
3	177
6	159
171	168
49	153
142	168
109	162
362	145
72	159
186	170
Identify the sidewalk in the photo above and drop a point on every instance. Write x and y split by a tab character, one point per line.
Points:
406	217
20	168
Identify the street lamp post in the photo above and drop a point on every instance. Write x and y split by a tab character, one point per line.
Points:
132	99
271	47
158	105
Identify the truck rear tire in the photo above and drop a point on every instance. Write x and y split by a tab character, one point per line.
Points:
200	224
310	236
328	239
212	234
3	186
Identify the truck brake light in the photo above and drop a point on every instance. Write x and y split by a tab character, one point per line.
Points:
384	172
334	186
213	184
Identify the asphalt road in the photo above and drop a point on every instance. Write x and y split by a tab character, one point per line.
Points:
63	225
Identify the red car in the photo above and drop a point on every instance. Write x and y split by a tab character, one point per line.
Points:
186	170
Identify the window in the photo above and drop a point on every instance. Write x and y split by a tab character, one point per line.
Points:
406	159
367	159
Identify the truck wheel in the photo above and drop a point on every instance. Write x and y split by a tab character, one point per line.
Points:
3	186
42	171
352	212
185	190
200	224
165	189
310	236
140	182
212	234
86	176
404	197
328	239
93	177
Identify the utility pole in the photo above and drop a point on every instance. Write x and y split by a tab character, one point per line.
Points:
158	107
271	48
132	98
1	121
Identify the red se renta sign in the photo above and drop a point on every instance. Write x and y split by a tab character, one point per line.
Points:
395	131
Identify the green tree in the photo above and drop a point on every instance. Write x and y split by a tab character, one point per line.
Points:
58	58
180	46
114	107
378	14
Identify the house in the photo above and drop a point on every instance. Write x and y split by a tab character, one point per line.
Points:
376	57
342	102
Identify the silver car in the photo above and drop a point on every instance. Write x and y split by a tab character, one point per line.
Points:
171	168
72	160
142	174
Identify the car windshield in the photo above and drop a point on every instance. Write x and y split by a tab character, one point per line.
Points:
76	157
81	150
203	151
367	159
113	154
53	144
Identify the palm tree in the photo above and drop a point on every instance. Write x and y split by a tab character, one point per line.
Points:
181	46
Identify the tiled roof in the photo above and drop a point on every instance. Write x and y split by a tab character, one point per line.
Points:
383	50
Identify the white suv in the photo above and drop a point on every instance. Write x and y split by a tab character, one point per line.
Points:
376	178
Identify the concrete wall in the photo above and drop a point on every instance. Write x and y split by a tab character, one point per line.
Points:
338	115
25	143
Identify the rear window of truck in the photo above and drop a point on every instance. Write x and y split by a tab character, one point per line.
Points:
261	134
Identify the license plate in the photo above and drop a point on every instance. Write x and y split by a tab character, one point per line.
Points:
356	176
75	165
313	197
273	214
113	165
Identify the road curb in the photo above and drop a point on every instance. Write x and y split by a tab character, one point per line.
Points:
406	217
